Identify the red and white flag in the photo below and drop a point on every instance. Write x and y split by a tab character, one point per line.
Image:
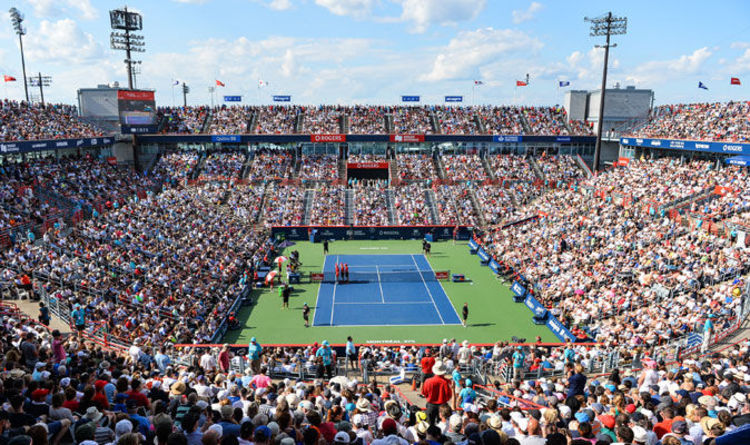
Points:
521	83
735	81
8	78
220	83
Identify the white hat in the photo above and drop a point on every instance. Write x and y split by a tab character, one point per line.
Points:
341	437
216	427
640	434
363	405
123	427
439	368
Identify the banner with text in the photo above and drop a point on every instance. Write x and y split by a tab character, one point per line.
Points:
454	98
407	138
732	148
232	98
327	138
282	98
409	98
358	165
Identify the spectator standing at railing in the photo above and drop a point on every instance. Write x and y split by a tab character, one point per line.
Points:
254	351
437	390
708	332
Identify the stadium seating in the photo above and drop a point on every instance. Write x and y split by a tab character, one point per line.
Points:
20	121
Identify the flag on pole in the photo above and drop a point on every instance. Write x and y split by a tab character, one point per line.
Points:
735	81
478	82
702	85
564	83
521	83
175	82
8	78
220	83
262	83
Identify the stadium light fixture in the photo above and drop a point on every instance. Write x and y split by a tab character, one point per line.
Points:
606	25
17	19
185	91
127	22
41	82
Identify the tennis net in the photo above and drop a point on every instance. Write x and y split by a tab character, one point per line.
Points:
391	276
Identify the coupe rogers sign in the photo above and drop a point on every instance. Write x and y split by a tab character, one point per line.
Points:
327	138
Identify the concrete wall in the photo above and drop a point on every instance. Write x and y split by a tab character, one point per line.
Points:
123	151
576	102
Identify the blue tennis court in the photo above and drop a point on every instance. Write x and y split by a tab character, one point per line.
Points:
383	290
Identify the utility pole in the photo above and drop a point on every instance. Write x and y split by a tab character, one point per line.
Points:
17	18
124	20
606	25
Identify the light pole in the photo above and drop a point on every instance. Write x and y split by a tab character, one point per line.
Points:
41	82
17	18
122	19
185	91
606	25
211	90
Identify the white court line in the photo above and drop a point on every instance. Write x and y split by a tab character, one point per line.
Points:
380	284
395	302
428	289
333	302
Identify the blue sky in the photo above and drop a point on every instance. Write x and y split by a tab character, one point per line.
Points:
374	51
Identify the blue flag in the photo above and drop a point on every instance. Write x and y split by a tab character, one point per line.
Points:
702	85
564	83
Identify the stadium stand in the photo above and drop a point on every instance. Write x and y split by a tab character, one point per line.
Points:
20	121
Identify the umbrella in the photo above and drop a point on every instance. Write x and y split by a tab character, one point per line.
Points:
271	275
280	259
579	292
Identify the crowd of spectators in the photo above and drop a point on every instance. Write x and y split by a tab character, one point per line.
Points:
411	120
496	204
415	167
456	120
328	206
367	119
21	121
272	164
546	120
717	121
559	168
510	167
175	166
188	120
325	119
229	120
411	205
370	205
319	168
284	205
275	119
455	205
500	120
466	167
223	166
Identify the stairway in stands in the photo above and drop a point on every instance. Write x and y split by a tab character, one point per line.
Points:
524	124
481	128
246	165
393	171
430	199
389	200
349	207
309	197
439	167
435	123
342	170
252	122
207	122
536	168
487	168
477	207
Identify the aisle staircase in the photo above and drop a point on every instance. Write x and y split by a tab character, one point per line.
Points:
342	170
349	197
430	199
439	167
477	207
535	168
389	200
309	197
488	169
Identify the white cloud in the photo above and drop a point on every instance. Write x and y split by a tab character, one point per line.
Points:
660	71
740	45
52	9
276	5
353	8
61	41
520	15
471	49
423	13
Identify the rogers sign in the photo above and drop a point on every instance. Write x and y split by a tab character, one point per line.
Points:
327	138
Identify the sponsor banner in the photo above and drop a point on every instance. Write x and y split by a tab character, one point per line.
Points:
31	146
407	138
111	160
442	274
473	244
282	98
409	98
507	138
327	138
299	233
677	144
138	129
135	95
560	331
494	266
562	139
226	138
517	289
483	255
232	98
356	165
454	98
535	306
317	276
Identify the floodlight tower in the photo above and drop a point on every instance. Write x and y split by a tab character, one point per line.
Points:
127	21
41	82
17	18
606	25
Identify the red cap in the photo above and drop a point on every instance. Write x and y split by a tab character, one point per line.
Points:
630	408
607	420
39	394
389	426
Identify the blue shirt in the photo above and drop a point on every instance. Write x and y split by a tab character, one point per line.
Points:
254	350
350	348
518	359
79	315
325	352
